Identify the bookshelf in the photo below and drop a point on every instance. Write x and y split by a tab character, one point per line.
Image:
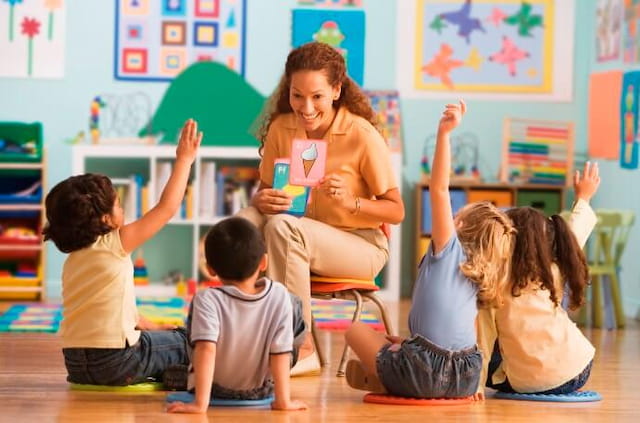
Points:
177	245
22	182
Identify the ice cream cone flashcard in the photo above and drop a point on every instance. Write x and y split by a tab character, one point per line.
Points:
308	158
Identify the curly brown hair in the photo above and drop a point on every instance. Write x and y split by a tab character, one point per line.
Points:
541	242
75	209
318	57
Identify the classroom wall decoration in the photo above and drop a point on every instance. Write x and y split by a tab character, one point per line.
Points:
537	152
32	38
629	97
157	39
604	114
386	104
501	49
341	29
331	3
631	32
608	29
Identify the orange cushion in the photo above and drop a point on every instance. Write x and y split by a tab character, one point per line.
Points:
327	288
393	400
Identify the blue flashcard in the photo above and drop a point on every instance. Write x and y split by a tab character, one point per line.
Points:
300	194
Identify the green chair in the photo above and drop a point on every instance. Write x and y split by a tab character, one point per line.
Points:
609	240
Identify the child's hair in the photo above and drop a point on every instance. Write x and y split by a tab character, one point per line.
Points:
486	235
75	210
233	249
540	242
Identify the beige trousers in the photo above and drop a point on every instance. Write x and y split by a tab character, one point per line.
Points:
298	246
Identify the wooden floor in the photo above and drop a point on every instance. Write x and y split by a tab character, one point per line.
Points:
33	389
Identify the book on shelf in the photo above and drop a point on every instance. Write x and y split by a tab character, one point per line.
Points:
207	206
235	187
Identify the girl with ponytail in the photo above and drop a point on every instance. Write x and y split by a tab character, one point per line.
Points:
529	344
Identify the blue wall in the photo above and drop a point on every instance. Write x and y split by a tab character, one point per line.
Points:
62	105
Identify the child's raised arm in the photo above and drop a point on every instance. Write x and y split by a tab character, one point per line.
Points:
586	185
136	233
441	216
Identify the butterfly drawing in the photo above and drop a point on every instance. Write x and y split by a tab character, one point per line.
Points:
509	55
462	18
524	20
442	64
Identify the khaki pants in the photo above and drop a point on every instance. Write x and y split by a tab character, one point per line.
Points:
298	246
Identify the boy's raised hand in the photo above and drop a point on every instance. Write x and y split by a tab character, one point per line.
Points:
452	116
586	185
189	141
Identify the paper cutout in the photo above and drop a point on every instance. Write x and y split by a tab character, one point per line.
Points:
608	29
308	159
604	115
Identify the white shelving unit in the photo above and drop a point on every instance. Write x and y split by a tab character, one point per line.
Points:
160	153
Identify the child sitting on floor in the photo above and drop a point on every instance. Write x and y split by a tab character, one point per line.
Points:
467	262
104	340
539	349
245	332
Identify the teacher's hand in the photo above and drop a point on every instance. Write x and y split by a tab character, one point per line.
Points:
336	188
271	201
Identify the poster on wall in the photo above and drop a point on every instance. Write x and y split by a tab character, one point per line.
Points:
604	115
330	3
32	38
386	104
491	49
157	39
631	32
341	29
629	97
608	28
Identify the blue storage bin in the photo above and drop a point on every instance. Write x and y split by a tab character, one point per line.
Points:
21	189
458	200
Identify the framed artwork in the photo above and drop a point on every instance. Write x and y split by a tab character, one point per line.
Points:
386	104
608	30
341	29
500	49
157	39
32	38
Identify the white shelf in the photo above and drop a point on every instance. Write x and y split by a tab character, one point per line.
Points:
18	206
28	166
160	153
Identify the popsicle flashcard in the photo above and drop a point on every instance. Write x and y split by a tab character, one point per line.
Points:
299	193
308	159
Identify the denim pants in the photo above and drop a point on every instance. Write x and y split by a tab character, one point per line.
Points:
144	361
422	369
566	388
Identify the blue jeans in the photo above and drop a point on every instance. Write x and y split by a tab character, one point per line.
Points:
566	388
144	361
422	369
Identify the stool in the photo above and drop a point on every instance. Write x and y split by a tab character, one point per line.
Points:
346	288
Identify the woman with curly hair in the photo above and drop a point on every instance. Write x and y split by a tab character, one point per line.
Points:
340	234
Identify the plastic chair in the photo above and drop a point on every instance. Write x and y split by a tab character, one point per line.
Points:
608	244
346	288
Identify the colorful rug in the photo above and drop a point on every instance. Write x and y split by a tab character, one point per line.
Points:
334	315
337	315
164	310
31	318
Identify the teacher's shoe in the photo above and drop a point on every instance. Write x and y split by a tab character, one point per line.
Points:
308	366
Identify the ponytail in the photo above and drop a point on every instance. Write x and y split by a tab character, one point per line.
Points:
570	259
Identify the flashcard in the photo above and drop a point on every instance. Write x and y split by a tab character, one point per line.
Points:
299	193
308	159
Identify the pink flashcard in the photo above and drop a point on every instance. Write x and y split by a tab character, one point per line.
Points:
308	159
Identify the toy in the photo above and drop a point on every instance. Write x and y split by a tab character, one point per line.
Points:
140	274
464	158
94	127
